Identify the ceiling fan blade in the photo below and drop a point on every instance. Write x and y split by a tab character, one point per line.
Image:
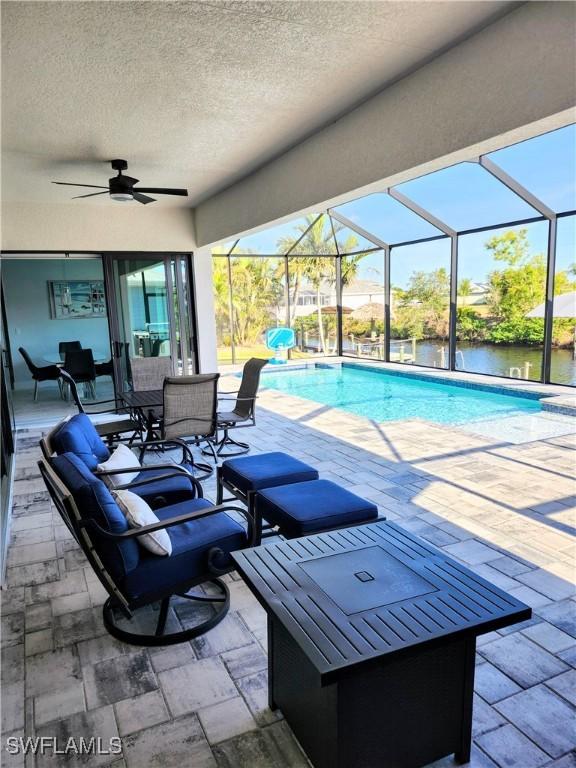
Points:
142	198
92	194
71	184
157	191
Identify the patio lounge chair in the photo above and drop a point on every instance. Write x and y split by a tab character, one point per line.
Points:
244	412
201	535
41	373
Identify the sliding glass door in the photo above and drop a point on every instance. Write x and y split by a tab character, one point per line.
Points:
150	313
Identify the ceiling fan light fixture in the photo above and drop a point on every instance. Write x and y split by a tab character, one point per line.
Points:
121	197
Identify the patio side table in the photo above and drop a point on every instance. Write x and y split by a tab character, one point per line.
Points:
372	639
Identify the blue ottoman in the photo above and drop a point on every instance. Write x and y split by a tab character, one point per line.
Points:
310	507
244	476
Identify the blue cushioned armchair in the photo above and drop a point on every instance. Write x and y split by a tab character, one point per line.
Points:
158	484
202	536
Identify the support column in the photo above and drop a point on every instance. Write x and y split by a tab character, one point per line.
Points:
205	310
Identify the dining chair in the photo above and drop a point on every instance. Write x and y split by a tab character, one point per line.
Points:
64	346
41	373
79	363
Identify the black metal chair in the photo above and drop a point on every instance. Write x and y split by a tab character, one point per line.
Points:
79	363
114	431
64	346
202	536
41	373
244	412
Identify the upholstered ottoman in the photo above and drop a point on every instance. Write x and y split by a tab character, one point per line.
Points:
309	507
243	477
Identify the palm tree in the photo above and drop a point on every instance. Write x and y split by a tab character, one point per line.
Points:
312	242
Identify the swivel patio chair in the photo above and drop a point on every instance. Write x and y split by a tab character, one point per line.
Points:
141	584
114	430
64	346
79	363
78	435
148	373
244	412
41	373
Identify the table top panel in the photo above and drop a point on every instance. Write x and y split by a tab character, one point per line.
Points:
144	398
351	596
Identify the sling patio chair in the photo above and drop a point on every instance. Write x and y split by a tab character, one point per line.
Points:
244	412
141	584
189	413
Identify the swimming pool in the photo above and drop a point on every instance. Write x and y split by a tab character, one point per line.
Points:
384	396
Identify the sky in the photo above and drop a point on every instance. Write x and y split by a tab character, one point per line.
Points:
463	196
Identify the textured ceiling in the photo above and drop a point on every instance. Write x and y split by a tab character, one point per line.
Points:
196	94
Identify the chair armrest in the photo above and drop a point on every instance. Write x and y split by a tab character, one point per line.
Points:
178	520
174	470
240	399
177	441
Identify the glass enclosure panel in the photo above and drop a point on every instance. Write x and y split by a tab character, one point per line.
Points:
386	218
420	303
313	236
313	305
465	196
363	305
276	240
501	279
258	303
563	362
349	241
142	299
222	300
545	165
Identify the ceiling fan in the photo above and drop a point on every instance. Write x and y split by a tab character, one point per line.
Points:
121	188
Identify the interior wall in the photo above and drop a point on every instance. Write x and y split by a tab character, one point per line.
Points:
512	80
83	225
30	325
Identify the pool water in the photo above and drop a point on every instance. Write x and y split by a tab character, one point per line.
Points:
382	396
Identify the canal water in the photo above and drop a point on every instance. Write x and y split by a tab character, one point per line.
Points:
496	360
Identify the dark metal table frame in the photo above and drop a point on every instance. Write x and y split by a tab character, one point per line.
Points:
371	643
141	405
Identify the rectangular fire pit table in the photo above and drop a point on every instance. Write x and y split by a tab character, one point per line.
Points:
371	643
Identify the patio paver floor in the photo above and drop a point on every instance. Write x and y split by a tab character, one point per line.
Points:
507	511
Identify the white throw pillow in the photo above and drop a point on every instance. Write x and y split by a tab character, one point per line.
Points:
138	514
121	458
